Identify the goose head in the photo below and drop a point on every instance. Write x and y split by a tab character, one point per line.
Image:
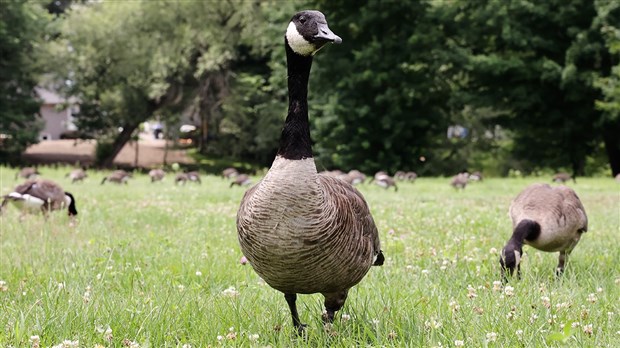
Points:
510	260
308	32
70	202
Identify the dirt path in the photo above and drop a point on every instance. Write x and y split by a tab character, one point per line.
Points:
150	153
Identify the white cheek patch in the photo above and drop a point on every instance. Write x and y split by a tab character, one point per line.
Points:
517	258
297	42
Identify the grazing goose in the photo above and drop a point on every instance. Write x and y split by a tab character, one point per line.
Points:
229	173
475	176
547	218
77	175
118	177
385	181
562	178
184	177
241	180
157	174
40	195
618	177
459	181
356	177
27	173
305	232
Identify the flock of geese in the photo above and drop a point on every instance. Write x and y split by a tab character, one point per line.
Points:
307	232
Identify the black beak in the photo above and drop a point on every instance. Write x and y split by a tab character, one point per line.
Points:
325	34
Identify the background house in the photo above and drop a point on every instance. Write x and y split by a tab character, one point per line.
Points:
57	113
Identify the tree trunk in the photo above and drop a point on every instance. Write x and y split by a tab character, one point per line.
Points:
137	154
611	138
118	144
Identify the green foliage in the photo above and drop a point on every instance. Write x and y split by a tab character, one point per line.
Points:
22	26
380	98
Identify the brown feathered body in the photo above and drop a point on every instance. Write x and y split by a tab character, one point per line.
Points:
306	233
77	175
157	174
43	195
27	173
558	211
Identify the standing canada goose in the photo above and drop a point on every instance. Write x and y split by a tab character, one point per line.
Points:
40	195
304	232
157	174
76	175
547	218
27	173
229	173
410	176
241	180
459	181
618	177
562	178
118	177
475	176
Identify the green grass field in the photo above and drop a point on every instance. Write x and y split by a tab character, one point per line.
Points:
157	265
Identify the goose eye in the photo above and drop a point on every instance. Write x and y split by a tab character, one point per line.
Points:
302	19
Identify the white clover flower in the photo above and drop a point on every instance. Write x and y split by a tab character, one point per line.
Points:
198	274
491	337
588	329
230	292
546	301
432	324
459	343
599	289
425	271
519	333
454	306
493	251
253	337
575	324
3	286
36	341
220	337
497	285
345	317
592	298
186	345
471	292
61	286
181	287
98	276
509	290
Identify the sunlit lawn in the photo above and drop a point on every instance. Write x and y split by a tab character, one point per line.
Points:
157	265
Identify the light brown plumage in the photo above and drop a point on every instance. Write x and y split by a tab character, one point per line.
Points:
27	173
77	175
547	218
157	174
118	177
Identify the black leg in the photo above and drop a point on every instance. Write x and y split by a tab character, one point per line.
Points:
561	262
290	299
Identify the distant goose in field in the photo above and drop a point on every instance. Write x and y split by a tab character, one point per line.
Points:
189	176
241	180
77	175
459	181
117	177
157	174
618	177
475	176
385	181
40	195
229	173
301	231
562	178
356	176
410	176
547	218
27	173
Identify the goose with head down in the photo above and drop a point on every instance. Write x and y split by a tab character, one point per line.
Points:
40	195
305	232
547	218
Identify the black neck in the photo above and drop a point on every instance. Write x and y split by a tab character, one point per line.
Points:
295	142
525	230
